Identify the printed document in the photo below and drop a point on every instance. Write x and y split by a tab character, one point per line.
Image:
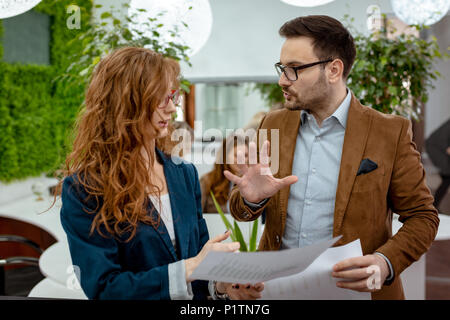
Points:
253	267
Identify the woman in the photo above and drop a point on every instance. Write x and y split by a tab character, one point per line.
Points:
215	181
132	216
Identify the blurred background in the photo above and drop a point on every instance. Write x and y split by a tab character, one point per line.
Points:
227	50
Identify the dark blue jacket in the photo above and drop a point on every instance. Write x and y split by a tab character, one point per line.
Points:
112	269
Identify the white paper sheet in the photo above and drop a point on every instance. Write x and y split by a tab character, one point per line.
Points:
316	282
252	267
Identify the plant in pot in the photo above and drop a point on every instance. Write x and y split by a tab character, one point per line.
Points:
236	233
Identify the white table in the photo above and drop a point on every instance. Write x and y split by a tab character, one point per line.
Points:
56	264
47	288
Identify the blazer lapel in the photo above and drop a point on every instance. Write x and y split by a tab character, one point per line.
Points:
177	194
291	126
288	135
356	133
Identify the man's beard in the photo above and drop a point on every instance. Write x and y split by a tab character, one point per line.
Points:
317	96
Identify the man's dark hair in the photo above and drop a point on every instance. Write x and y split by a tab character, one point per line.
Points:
330	38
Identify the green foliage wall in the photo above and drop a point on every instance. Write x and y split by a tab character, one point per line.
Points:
36	114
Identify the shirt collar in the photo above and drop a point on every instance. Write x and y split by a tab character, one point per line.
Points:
341	112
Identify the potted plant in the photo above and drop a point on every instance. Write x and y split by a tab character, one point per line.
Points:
236	234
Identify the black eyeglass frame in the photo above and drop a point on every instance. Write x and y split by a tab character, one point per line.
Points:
280	68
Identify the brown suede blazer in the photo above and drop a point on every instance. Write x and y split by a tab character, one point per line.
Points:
364	204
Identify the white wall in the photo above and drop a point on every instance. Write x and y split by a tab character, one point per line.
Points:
244	40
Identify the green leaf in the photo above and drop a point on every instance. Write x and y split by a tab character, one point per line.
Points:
254	235
224	219
105	15
392	90
96	60
240	238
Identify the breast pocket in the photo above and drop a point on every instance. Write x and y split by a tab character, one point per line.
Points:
369	182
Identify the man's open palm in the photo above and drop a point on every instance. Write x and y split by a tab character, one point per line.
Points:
257	182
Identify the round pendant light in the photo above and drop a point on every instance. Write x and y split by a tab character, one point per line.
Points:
195	13
425	12
11	8
307	3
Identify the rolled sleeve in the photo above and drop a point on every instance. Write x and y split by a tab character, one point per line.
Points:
179	289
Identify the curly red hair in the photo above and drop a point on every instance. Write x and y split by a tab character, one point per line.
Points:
112	131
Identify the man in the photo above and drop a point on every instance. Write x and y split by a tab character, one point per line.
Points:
344	168
438	148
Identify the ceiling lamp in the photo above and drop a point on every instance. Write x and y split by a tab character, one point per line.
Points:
11	8
307	3
195	13
420	12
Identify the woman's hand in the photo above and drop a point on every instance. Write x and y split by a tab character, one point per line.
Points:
212	245
241	291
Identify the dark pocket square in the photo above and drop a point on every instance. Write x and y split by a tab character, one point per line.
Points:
366	166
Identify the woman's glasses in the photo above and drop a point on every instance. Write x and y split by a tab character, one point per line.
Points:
174	96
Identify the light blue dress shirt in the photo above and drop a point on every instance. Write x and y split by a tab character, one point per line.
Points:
317	159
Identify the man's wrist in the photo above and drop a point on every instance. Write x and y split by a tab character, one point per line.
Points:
390	270
257	204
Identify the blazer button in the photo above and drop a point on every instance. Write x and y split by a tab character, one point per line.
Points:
277	238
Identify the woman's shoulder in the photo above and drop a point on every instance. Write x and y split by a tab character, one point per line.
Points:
73	183
175	162
74	192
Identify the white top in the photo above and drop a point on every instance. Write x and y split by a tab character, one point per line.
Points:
165	211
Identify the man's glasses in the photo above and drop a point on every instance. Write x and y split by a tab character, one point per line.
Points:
291	72
174	96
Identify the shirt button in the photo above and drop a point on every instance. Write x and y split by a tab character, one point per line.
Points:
277	238
313	170
308	202
303	235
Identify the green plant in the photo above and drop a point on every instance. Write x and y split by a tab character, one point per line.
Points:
236	234
113	32
37	113
270	92
34	112
392	74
